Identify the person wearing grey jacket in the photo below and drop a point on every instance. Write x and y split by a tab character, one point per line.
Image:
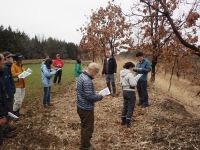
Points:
128	83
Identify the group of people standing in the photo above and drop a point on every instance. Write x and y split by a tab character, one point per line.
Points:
12	87
87	97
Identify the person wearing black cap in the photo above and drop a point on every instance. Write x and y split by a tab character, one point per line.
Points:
16	69
8	79
10	91
142	67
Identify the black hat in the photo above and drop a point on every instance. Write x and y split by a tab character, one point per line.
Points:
8	54
18	56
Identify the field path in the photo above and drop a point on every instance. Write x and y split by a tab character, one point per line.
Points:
166	124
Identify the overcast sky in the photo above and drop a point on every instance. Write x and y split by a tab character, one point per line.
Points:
56	18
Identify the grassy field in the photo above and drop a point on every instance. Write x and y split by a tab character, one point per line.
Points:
34	90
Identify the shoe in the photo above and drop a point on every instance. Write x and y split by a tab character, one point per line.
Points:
11	128
91	147
50	104
123	121
16	113
144	106
114	95
9	135
45	106
128	123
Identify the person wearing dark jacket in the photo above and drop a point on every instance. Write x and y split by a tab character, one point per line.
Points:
8	79
3	113
109	70
86	97
143	67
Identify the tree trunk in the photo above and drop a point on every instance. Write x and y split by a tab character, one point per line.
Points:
153	69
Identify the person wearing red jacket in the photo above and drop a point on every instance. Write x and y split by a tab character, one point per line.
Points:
58	64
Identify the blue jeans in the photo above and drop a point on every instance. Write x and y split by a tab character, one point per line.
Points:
46	98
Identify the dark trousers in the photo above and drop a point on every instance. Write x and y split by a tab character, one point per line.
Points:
9	104
142	92
46	98
87	127
58	76
129	104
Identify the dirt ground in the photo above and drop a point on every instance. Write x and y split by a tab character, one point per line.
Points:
166	124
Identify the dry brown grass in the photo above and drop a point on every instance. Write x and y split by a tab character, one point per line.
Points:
166	124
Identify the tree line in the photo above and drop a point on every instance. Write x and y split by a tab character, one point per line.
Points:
35	48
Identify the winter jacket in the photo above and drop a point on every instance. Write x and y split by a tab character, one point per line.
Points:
58	63
3	96
109	66
143	67
17	70
77	70
127	80
8	80
46	75
86	96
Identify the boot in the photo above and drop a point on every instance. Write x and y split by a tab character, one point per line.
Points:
128	123
16	113
123	121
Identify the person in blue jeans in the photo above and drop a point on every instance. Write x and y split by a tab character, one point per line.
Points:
142	67
47	74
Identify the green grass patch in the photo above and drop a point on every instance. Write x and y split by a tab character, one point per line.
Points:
34	89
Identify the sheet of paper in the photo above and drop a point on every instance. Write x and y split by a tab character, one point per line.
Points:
29	70
104	92
12	115
137	77
58	69
24	75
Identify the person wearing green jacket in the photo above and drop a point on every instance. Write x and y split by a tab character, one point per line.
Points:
78	69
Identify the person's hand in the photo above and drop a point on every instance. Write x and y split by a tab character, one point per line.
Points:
134	69
3	120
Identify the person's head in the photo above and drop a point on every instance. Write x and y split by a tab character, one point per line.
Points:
58	56
78	61
107	54
140	56
129	65
1	61
93	69
48	62
18	58
8	57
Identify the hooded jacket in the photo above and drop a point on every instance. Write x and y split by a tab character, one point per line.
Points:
127	80
46	75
